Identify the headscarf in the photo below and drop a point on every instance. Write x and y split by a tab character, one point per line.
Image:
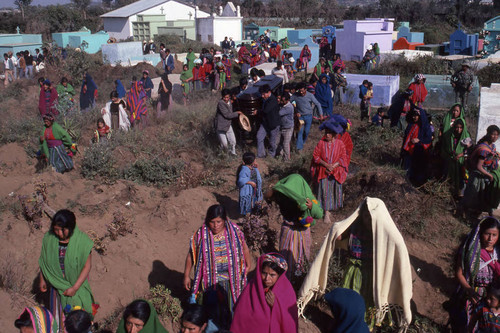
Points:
77	253
120	89
42	320
276	259
296	188
348	308
449	116
153	325
448	149
324	94
87	98
253	314
331	125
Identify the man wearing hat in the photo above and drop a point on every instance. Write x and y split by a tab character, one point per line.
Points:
462	82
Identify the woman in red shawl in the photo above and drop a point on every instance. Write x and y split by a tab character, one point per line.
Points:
344	135
329	167
268	303
244	57
419	90
47	104
136	101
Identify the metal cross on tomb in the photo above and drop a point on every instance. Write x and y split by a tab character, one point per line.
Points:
161	9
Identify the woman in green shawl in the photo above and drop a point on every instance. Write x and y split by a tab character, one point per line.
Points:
66	92
54	143
453	150
190	58
453	144
186	79
65	263
140	316
299	209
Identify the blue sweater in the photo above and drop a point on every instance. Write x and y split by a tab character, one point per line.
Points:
286	116
304	106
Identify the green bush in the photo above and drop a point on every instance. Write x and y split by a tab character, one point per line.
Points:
156	171
489	74
21	130
165	304
404	67
176	45
98	161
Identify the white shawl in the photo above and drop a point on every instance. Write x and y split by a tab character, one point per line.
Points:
392	280
124	123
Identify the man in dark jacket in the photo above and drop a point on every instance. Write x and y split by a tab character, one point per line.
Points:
224	118
270	122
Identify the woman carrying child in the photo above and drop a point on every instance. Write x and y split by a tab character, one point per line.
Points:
250	184
477	268
114	114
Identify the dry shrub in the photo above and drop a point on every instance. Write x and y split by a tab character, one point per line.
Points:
33	206
121	226
13	275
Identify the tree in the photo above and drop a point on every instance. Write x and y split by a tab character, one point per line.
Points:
22	5
83	5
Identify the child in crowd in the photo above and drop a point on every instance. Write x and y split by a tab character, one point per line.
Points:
487	313
103	132
364	106
369	96
250	184
378	118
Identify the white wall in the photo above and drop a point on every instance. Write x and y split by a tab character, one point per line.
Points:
218	28
121	28
227	26
174	11
117	27
205	29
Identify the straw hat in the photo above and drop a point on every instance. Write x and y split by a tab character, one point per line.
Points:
245	123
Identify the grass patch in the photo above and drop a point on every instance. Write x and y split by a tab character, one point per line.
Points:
98	161
156	171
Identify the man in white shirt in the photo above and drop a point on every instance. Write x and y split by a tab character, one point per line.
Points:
279	71
8	69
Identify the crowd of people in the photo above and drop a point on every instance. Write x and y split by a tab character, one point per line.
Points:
222	297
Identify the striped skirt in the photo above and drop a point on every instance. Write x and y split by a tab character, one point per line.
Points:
295	247
330	194
59	159
56	309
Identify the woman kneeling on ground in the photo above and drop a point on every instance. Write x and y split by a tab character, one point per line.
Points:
140	316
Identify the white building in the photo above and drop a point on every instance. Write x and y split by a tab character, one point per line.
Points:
118	23
227	23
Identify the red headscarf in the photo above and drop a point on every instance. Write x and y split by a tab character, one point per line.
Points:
253	314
